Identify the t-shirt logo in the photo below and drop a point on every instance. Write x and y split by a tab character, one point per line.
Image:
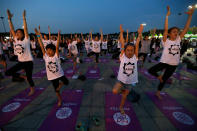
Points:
19	49
72	47
128	68
96	46
174	49
52	66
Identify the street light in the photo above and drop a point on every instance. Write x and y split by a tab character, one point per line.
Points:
3	23
144	24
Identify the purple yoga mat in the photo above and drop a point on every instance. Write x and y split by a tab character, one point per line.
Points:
115	70
69	60
117	60
64	117
192	91
180	77
181	118
93	73
114	121
15	105
151	77
69	72
103	60
40	74
87	60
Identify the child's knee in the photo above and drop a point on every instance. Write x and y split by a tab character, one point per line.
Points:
115	91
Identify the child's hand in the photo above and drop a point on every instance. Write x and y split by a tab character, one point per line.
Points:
24	14
190	11
168	9
140	29
36	31
121	29
9	14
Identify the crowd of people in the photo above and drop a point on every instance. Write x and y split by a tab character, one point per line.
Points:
129	49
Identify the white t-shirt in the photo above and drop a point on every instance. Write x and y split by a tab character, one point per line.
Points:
22	50
171	52
128	70
53	67
33	44
145	48
104	45
118	44
73	47
46	42
87	44
54	42
96	46
1	51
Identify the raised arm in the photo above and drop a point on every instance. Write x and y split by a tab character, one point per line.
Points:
40	41
101	35
49	33
91	35
58	42
190	13
165	34
25	25
10	23
127	39
122	41
82	36
140	30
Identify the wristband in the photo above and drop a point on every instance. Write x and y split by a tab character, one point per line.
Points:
38	35
122	48
166	17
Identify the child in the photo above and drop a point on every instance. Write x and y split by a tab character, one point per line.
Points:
87	43
2	56
96	47
22	50
104	45
73	51
171	53
128	67
53	67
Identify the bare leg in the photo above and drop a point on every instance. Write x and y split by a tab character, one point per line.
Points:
59	99
124	97
158	95
32	90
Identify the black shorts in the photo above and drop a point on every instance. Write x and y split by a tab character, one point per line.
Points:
2	58
55	82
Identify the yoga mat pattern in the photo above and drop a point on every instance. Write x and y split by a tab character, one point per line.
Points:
69	72
114	121
93	73
180	117
15	105
64	117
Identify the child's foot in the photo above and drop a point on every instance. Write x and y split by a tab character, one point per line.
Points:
160	78
32	90
122	111
59	103
158	95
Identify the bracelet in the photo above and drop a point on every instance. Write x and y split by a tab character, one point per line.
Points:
9	20
122	48
38	35
166	17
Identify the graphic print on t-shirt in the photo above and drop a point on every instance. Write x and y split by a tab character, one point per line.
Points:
128	68
72	47
96	46
174	49
19	49
53	67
